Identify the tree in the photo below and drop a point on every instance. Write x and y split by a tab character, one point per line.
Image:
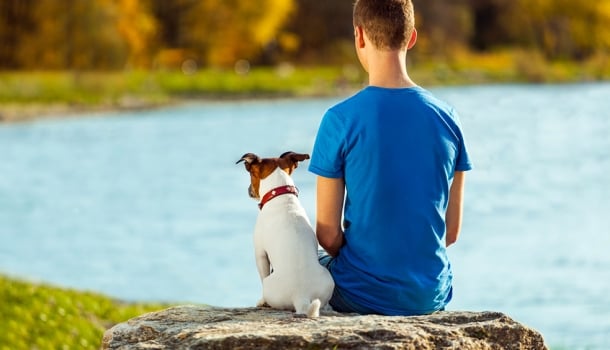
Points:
15	20
443	26
563	28
220	32
137	27
323	30
170	17
491	22
228	30
50	34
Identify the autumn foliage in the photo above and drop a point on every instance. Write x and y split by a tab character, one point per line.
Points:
162	34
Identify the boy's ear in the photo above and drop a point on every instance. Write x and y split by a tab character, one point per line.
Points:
359	34
412	40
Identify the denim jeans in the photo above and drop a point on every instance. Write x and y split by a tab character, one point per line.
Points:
338	301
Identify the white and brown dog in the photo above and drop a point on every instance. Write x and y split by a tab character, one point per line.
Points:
285	244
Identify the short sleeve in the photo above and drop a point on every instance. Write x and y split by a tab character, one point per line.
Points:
462	162
328	153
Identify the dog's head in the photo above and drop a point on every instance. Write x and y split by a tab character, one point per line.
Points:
260	168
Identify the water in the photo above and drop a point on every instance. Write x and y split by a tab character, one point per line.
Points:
150	206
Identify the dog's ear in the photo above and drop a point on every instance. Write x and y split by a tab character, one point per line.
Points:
249	159
290	160
295	157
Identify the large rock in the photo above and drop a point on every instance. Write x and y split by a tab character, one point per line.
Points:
200	327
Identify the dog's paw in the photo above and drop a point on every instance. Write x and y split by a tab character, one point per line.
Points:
262	303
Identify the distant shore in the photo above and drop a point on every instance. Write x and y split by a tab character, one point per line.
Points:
31	95
15	113
26	96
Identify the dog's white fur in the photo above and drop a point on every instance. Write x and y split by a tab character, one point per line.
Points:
285	243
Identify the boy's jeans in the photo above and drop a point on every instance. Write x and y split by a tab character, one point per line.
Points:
338	301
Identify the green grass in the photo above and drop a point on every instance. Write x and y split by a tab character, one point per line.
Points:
75	88
37	316
25	95
508	66
113	88
258	82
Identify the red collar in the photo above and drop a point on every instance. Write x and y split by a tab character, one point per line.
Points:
277	192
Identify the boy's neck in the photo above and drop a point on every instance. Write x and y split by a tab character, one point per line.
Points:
388	69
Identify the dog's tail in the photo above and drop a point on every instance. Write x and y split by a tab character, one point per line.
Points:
310	309
314	308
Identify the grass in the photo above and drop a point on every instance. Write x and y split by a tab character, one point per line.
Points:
508	66
25	95
112	88
38	316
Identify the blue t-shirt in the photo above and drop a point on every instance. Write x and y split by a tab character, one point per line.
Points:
397	150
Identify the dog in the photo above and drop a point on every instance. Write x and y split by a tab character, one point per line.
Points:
285	245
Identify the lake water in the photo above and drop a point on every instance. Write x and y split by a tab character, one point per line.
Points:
150	206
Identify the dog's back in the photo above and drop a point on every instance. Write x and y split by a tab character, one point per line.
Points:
290	243
285	244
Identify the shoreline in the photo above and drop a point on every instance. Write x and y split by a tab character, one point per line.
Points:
27	112
22	113
33	95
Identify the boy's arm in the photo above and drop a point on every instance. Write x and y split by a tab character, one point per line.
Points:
330	193
453	217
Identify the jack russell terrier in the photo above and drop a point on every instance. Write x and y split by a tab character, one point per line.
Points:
285	244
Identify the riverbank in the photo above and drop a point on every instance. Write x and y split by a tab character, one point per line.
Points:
31	95
45	317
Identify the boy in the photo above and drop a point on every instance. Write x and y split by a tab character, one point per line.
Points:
394	156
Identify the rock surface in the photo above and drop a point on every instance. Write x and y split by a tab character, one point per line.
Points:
200	327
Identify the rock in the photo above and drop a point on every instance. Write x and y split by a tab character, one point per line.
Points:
200	327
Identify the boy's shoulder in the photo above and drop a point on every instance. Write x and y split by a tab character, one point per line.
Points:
371	102
371	95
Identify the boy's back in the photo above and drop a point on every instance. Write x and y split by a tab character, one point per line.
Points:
391	163
397	150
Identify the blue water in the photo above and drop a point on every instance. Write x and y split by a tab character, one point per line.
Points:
150	206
